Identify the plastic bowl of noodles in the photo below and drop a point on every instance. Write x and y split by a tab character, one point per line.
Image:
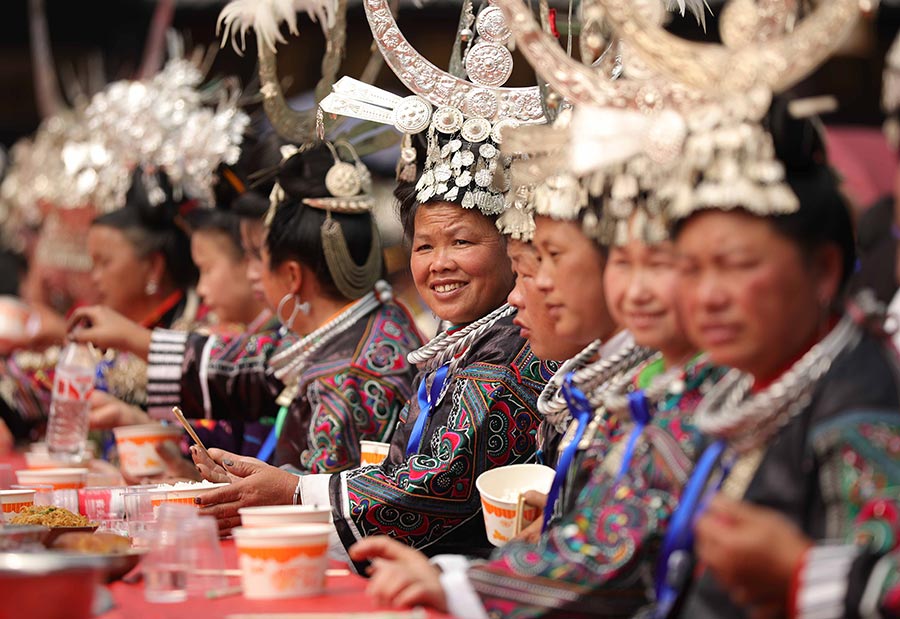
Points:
55	520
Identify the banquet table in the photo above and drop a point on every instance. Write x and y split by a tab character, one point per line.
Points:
344	593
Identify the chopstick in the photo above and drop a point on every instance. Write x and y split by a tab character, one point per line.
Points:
190	430
520	509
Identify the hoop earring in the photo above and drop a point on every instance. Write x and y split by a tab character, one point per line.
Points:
298	307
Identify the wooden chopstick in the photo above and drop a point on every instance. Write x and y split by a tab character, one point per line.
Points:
190	430
520	509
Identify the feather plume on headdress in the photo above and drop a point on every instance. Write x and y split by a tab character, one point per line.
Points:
265	18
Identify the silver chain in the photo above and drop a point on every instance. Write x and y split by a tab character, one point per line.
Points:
748	421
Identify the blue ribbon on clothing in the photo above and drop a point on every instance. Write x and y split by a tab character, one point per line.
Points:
675	561
268	446
639	408
581	410
427	399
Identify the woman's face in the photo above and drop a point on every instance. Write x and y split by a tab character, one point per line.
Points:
223	282
641	286
253	237
747	295
532	316
459	262
571	278
118	273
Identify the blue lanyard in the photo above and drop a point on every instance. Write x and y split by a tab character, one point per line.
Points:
639	408
427	400
581	409
268	446
675	560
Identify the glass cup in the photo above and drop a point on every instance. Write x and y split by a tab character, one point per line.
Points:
43	493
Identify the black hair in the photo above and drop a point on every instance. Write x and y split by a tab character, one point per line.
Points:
244	187
823	216
225	223
155	225
295	230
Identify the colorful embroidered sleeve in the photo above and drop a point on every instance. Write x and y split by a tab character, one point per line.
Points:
211	376
859	457
487	419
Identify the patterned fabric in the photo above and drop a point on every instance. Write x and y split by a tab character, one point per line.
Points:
486	418
834	470
353	390
596	561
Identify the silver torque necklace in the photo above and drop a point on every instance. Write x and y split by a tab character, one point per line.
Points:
748	420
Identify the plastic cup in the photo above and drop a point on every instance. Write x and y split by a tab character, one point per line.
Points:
282	562
14	501
139	514
500	489
137	447
373	452
7	479
283	515
59	478
105	506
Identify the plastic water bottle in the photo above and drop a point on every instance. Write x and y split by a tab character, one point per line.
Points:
73	383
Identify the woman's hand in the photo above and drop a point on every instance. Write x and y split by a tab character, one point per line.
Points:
752	551
110	412
400	576
107	328
532	533
253	482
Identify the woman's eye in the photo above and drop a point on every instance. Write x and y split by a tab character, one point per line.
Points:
423	247
461	242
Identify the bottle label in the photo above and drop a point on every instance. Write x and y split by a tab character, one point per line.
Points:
73	387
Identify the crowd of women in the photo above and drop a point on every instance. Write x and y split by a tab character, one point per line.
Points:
641	275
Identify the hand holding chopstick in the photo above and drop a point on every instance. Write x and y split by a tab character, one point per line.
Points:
190	430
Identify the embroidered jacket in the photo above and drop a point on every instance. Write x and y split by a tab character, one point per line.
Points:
596	560
833	470
353	390
487	418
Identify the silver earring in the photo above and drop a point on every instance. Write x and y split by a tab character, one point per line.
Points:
298	307
151	288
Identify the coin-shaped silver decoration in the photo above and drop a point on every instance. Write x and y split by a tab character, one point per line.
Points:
342	180
491	25
481	103
489	64
476	130
412	114
497	131
448	119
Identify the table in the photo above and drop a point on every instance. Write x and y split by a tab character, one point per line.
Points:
344	593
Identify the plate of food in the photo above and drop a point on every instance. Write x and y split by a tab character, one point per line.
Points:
117	554
58	521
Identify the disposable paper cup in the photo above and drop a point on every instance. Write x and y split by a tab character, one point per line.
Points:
183	496
60	479
373	452
137	447
14	501
500	489
282	562
283	515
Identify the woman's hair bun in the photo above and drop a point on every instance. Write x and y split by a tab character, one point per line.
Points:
303	174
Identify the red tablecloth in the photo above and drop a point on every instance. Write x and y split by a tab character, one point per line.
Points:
343	593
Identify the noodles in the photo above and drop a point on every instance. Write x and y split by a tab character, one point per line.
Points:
49	516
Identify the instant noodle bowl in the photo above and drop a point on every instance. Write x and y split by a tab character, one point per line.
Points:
500	489
182	492
373	452
283	515
14	501
137	447
60	479
282	562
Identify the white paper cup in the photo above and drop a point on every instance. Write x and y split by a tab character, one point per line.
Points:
14	501
60	479
283	515
282	562
373	452
184	496
35	460
137	447
500	489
